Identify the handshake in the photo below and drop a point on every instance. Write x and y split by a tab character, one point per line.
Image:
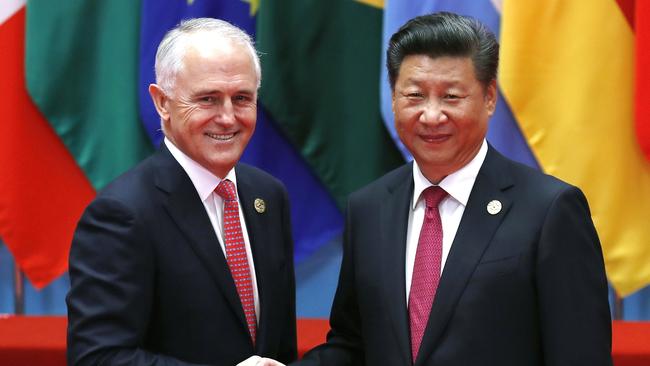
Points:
259	361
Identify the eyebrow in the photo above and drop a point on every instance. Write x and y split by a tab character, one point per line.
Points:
216	91
427	80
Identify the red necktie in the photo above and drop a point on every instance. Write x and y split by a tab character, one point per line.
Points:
426	270
236	252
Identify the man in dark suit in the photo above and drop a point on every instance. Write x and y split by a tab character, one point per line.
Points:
463	257
188	258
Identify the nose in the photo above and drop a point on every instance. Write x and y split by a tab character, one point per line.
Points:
433	113
225	113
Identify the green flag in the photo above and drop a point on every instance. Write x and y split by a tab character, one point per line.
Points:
321	63
81	67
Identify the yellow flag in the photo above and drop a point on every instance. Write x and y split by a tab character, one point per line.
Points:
567	71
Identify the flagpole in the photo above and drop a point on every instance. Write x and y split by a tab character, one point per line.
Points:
618	307
19	291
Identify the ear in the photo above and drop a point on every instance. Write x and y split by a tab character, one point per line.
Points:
160	101
491	97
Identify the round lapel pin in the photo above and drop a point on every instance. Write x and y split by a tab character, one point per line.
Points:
494	207
260	205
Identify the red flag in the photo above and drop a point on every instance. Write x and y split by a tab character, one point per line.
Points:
642	95
42	190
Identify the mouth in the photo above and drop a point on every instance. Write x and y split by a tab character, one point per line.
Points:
435	138
221	137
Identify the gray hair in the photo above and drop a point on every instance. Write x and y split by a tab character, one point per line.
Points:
172	48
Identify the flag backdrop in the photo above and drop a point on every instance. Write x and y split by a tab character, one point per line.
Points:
76	111
638	15
567	71
42	190
322	87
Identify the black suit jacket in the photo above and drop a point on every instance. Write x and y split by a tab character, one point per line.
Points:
524	287
150	284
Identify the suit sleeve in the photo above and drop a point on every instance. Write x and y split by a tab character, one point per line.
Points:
111	292
344	341
572	286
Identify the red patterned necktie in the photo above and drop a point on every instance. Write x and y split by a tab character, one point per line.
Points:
426	270
236	252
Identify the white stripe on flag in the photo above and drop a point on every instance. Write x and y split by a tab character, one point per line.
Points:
9	8
498	5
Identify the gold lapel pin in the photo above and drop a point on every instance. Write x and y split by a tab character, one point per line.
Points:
260	205
494	207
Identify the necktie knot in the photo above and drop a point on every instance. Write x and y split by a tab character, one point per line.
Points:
226	189
433	196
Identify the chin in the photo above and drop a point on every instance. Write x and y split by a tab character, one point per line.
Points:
221	162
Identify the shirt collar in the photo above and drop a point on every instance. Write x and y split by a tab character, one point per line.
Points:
457	184
204	181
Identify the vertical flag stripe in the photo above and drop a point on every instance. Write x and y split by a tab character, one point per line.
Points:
321	85
642	97
42	190
567	73
81	72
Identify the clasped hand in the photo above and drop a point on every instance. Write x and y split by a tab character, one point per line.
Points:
259	361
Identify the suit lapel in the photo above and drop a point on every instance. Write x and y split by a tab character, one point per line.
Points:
394	215
187	211
474	234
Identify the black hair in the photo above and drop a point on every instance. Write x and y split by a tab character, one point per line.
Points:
445	34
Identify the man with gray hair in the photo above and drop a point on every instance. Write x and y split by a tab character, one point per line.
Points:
187	259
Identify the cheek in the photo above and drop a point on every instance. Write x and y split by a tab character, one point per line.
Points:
473	131
400	126
195	122
178	120
247	115
405	119
189	114
246	127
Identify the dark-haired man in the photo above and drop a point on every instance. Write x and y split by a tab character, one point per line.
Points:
463	257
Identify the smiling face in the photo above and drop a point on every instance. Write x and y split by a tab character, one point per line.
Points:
441	112
211	112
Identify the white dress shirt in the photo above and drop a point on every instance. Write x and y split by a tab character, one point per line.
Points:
458	185
205	183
